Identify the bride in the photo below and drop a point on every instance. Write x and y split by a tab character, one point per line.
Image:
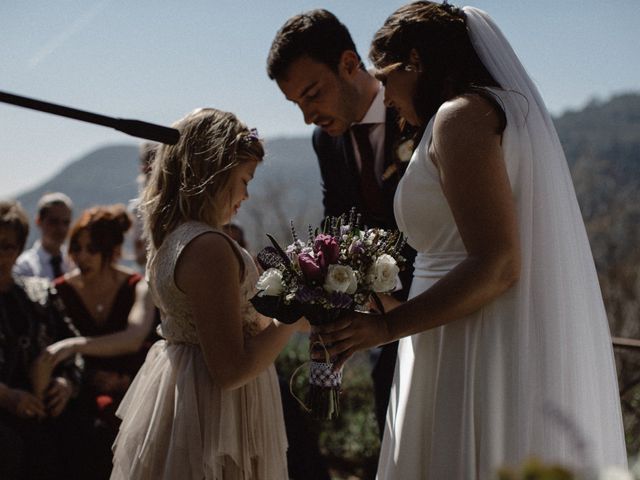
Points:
505	350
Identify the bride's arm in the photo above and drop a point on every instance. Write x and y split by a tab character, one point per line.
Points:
208	272
474	179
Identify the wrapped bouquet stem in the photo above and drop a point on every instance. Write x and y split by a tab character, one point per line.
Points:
338	269
324	387
324	382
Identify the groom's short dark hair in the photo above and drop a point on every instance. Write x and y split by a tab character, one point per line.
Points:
316	33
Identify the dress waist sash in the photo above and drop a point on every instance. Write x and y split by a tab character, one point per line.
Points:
436	265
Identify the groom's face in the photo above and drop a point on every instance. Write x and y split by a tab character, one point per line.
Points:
326	98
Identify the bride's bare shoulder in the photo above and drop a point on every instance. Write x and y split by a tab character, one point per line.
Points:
468	114
467	128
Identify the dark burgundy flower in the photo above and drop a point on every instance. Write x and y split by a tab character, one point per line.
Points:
310	268
327	250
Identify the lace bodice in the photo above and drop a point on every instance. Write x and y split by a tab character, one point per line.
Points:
177	323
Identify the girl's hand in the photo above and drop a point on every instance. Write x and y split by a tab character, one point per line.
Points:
58	395
344	337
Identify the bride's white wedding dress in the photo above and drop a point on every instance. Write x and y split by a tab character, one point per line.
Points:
532	373
176	422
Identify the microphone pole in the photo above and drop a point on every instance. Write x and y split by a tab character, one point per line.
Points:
136	128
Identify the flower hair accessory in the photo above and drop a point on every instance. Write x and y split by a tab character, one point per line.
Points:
248	137
452	9
253	134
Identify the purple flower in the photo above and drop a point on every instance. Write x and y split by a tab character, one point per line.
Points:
340	300
356	248
309	295
327	250
310	268
295	247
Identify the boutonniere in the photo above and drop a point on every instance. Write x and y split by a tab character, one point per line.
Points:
402	154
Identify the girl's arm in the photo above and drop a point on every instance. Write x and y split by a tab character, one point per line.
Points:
468	154
129	340
208	272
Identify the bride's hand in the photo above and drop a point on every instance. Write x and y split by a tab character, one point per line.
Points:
353	332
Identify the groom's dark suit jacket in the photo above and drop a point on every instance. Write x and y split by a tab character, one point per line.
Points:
341	178
341	192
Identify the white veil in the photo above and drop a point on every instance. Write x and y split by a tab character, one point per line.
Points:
568	399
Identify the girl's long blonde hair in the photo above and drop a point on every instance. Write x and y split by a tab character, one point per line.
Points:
187	178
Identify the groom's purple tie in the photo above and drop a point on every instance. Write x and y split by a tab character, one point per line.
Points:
369	187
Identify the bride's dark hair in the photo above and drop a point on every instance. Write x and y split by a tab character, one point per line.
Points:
438	32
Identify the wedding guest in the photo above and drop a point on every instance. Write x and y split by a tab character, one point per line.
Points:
47	258
206	402
37	417
505	350
109	305
314	61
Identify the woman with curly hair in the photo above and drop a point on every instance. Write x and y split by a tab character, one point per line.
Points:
109	305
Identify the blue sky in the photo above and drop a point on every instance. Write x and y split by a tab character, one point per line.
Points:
157	60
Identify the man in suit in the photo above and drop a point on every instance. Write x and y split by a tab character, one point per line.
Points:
315	63
47	258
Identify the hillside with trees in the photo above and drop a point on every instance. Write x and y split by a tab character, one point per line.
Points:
602	143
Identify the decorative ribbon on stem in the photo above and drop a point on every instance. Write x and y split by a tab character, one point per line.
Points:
322	380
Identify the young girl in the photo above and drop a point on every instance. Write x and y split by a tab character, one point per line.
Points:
206	403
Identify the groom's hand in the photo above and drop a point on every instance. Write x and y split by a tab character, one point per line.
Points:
344	337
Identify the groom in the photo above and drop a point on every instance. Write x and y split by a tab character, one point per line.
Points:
315	64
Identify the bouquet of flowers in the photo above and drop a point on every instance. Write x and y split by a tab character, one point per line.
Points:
338	269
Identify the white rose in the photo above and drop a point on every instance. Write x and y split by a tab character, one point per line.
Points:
270	283
341	278
405	150
384	274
